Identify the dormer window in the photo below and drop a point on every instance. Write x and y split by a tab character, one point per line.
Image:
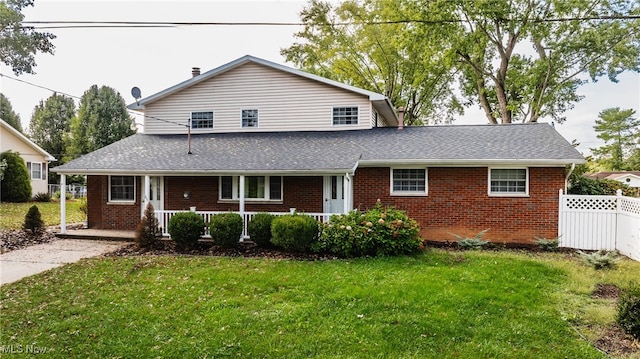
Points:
345	115
202	119
249	118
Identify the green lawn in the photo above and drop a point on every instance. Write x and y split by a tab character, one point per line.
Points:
440	305
12	214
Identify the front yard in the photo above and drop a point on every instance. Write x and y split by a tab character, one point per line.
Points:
439	304
12	214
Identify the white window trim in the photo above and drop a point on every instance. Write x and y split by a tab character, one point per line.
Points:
235	180
508	194
213	121
250	109
123	201
409	193
341	124
30	168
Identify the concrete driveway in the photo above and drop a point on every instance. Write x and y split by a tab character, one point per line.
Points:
21	263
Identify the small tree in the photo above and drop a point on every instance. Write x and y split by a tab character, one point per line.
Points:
33	222
16	185
147	231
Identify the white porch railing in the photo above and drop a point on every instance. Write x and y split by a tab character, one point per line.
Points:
164	216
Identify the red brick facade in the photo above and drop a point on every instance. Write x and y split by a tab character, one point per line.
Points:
457	202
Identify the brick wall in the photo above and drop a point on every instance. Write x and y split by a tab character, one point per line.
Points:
458	202
104	215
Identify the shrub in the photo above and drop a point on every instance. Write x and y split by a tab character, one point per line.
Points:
628	314
42	197
33	222
605	187
56	195
260	229
294	232
16	183
226	229
548	245
602	259
83	206
472	243
377	232
185	228
147	231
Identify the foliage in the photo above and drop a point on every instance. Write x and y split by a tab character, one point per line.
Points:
33	222
186	228
102	119
260	229
16	185
8	115
147	231
226	229
411	69
84	206
621	133
472	243
381	231
19	43
628	311
548	245
12	214
294	232
597	187
51	123
56	195
42	197
601	259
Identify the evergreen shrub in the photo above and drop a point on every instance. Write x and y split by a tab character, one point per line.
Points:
226	228
33	222
147	231
186	228
260	229
16	182
294	232
628	314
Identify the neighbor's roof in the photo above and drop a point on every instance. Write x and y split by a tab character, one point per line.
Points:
380	101
613	174
5	126
535	144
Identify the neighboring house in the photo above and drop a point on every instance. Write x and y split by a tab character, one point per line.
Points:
266	137
630	178
36	159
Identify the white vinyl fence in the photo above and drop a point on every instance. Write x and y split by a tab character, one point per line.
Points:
600	222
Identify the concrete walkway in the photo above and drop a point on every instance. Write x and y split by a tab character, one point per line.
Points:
22	263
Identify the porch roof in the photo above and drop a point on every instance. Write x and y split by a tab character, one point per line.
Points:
327	152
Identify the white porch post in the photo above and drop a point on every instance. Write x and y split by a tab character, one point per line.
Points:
347	191
145	197
241	204
63	204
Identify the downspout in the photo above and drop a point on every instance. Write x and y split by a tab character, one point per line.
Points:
566	179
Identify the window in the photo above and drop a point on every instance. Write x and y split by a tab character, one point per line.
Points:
122	189
202	119
37	170
249	118
264	188
409	181
508	181
345	115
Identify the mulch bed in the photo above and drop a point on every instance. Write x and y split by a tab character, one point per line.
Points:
618	343
10	240
606	291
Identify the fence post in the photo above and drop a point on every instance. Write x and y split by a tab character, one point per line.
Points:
560	217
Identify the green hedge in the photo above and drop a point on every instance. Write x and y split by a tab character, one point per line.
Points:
260	229
294	232
186	228
226	228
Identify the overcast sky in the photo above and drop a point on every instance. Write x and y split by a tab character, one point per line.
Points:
156	58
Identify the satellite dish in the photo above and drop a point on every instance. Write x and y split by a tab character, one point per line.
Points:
135	92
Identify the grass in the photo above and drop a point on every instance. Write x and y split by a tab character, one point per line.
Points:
12	214
440	304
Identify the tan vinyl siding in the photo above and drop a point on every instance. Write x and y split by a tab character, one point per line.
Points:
286	102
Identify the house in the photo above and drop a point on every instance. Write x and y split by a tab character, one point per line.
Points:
36	159
255	136
630	178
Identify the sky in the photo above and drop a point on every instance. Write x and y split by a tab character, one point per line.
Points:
154	59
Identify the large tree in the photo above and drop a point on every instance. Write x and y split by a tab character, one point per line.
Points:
102	119
19	44
51	124
345	42
8	115
621	134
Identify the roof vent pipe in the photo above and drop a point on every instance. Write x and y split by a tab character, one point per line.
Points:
400	118
195	71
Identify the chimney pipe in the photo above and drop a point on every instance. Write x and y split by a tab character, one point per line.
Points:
400	118
195	71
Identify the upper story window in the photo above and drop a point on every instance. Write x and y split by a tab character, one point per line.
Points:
202	119
122	189
508	181
37	170
409	181
249	118
345	115
261	188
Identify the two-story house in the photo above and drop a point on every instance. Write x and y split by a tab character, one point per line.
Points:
255	136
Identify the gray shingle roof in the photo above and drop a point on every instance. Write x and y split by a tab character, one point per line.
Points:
330	151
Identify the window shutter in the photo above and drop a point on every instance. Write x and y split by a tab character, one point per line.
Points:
29	168
44	170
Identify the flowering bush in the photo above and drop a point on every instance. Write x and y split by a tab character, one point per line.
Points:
381	231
